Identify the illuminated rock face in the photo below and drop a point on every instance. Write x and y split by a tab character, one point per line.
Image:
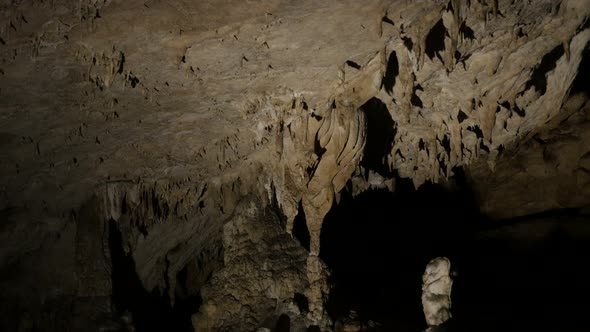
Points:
436	291
154	119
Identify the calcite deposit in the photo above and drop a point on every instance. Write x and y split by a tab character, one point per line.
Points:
437	285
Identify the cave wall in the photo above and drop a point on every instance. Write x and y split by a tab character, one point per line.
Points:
547	172
162	115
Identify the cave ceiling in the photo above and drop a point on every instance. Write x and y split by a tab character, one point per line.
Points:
161	113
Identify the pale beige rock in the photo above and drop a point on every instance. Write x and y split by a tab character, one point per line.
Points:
436	291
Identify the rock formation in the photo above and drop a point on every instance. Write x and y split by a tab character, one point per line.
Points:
264	269
436	291
151	138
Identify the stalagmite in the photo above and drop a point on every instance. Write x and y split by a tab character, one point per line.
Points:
436	292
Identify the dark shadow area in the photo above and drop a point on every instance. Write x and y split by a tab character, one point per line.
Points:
475	129
379	243
283	324
391	73
300	230
381	130
538	79
585	25
435	40
302	303
415	100
408	43
466	32
150	311
353	64
387	20
582	81
522	284
520	112
461	116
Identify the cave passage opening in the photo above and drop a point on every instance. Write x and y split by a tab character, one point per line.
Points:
148	311
519	274
381	131
378	243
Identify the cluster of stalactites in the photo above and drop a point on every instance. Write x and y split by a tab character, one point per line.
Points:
463	87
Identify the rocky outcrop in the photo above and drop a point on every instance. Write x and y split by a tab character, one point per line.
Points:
548	172
469	80
264	276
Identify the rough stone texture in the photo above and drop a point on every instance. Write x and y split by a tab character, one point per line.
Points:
551	171
496	80
264	268
436	291
162	115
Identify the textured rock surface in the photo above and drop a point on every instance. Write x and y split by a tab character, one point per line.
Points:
494	82
264	276
551	171
436	291
157	117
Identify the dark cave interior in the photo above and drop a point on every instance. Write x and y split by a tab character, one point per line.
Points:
509	274
149	311
378	243
515	274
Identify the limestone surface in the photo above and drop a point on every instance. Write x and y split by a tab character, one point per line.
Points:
436	291
132	129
